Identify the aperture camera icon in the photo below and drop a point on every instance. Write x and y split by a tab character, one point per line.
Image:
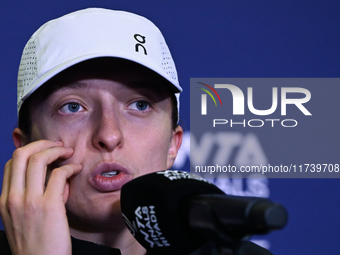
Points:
204	97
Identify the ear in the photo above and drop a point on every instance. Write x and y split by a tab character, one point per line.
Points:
19	138
175	144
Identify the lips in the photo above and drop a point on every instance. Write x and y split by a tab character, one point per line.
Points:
109	177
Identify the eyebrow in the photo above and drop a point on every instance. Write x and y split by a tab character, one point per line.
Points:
134	85
154	88
58	86
148	86
73	85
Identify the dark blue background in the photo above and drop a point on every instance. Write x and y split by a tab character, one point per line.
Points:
244	38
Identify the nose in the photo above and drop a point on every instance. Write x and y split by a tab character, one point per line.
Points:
107	133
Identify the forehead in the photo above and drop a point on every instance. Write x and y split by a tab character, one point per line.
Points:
123	71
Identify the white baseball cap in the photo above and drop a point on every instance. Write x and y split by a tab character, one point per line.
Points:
88	34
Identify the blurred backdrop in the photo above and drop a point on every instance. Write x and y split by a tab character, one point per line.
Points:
214	39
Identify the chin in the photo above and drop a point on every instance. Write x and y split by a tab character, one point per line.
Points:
107	217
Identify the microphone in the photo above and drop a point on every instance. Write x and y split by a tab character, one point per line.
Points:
175	212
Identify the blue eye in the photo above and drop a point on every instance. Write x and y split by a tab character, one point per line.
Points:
73	107
142	105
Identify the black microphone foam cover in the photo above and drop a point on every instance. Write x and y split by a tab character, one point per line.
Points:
155	210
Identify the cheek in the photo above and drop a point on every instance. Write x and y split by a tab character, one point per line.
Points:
74	135
58	131
152	148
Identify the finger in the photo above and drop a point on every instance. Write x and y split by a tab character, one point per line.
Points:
37	167
20	160
55	189
5	187
6	179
